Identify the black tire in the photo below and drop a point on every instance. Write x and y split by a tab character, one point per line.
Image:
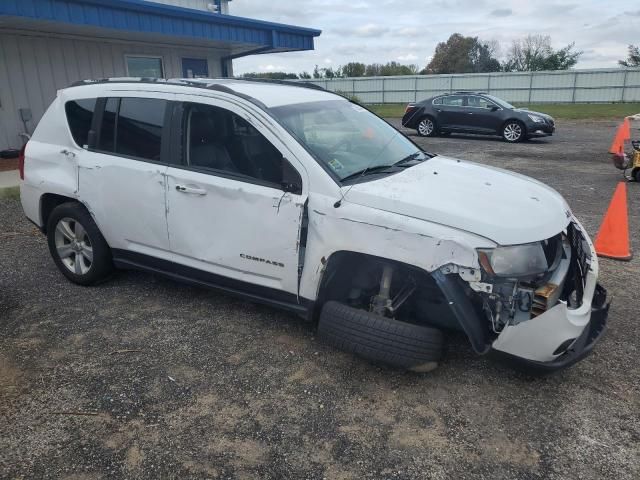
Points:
427	127
86	272
512	126
636	174
380	339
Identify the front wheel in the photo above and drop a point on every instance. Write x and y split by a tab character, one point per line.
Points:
380	339
513	132
427	127
78	248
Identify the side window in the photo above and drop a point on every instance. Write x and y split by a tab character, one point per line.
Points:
133	127
80	115
478	102
139	127
221	141
453	100
437	101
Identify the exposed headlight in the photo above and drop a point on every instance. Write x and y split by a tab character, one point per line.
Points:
536	118
515	261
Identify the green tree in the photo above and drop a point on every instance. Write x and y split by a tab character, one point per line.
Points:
354	69
534	53
271	75
633	59
460	54
304	76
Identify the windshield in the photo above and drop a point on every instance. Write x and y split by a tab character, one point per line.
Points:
344	136
500	102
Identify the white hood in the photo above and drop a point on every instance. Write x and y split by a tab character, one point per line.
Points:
505	207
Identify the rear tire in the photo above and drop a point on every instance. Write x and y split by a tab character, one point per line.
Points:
513	131
78	248
427	127
380	339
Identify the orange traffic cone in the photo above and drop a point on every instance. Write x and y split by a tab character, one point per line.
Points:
612	240
623	134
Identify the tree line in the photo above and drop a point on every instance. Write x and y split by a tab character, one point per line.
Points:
460	54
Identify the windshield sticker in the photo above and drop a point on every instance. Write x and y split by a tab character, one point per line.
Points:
336	165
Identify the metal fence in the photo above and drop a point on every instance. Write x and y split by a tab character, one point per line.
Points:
566	86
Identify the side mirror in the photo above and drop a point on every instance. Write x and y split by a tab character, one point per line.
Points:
291	181
493	108
91	139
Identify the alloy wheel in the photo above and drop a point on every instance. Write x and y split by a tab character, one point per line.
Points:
513	132
425	127
73	246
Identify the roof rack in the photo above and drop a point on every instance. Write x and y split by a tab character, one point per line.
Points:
468	92
210	83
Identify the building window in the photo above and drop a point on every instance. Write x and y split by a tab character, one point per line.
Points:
150	67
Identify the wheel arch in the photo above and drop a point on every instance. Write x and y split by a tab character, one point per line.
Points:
514	119
48	202
342	266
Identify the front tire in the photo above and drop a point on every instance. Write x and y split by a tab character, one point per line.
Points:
427	127
513	131
380	339
78	248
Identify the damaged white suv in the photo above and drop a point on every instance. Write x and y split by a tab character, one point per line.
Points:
296	197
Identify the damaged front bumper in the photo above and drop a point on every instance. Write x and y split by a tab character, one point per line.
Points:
565	317
578	349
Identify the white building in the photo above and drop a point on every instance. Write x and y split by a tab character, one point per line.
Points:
49	44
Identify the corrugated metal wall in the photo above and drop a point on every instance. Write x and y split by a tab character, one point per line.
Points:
567	86
33	68
195	4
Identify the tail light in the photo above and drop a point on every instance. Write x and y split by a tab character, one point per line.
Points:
409	107
21	161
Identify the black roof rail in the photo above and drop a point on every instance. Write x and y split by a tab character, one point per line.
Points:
291	83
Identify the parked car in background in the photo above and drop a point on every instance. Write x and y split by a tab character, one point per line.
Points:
299	198
476	112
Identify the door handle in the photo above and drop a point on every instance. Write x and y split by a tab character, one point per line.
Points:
438	110
193	190
470	113
68	153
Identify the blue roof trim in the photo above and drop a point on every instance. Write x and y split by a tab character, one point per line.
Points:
147	17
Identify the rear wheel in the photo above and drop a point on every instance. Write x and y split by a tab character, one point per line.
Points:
78	248
427	127
513	131
380	339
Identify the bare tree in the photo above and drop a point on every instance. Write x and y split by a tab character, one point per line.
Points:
633	59
534	53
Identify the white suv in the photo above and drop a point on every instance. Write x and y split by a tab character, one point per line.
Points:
296	197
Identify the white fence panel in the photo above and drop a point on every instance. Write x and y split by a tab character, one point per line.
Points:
568	86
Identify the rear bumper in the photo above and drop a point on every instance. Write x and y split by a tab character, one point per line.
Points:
580	348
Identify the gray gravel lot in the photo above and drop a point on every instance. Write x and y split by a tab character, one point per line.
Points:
216	387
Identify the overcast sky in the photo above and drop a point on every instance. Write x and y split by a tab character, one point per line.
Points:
407	31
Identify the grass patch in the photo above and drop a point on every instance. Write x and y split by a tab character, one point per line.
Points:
573	111
10	192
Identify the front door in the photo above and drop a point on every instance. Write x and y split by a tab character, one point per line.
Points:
483	115
195	68
122	177
228	212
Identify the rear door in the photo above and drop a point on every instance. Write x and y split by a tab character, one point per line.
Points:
122	175
451	113
229	212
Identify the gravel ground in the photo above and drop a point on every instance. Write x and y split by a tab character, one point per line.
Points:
142	377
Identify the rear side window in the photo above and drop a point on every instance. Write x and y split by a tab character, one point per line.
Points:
133	127
79	116
139	127
453	100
